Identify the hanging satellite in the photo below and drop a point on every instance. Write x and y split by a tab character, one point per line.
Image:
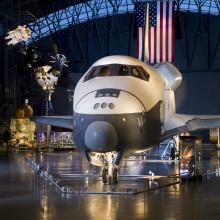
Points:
18	35
59	62
47	76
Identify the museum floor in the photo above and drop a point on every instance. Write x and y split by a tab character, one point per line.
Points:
26	195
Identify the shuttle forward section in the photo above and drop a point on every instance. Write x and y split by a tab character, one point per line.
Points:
109	101
107	132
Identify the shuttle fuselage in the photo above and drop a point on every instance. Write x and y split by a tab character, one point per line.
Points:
118	105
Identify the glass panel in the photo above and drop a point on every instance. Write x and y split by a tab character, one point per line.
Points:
90	74
123	71
146	76
104	71
135	72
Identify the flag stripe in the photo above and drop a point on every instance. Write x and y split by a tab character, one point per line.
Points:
161	33
155	43
167	30
140	38
158	32
170	31
173	25
137	44
152	44
149	43
164	31
146	40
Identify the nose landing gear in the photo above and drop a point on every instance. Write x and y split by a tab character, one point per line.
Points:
110	177
104	175
109	161
115	175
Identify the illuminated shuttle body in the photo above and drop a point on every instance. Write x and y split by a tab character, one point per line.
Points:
118	105
122	104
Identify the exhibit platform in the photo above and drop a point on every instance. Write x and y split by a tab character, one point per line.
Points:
88	181
70	173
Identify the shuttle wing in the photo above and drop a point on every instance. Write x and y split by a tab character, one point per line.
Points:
178	123
58	121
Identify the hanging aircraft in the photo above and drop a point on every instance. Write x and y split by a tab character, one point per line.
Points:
122	105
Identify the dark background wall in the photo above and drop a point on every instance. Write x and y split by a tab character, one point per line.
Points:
199	93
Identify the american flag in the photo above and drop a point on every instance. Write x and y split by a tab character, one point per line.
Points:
140	16
154	22
160	33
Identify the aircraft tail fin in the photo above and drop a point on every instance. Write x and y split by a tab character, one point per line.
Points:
169	103
172	79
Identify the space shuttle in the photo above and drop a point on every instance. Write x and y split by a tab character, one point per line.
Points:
122	105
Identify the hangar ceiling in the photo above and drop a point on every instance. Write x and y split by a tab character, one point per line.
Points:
15	12
96	9
40	13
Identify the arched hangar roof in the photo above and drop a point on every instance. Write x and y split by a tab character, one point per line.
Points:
95	9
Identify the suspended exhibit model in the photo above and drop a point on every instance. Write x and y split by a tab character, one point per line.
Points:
47	77
18	35
21	128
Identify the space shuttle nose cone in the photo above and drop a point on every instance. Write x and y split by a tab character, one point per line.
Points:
101	136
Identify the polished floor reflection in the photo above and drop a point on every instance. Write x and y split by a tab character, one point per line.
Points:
71	173
26	195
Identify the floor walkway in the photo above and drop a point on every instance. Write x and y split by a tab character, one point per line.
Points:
26	195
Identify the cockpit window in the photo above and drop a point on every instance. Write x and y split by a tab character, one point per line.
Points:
135	72
92	73
104	71
117	70
146	76
123	71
